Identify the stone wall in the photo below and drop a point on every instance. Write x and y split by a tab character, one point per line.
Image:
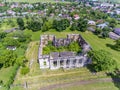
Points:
46	61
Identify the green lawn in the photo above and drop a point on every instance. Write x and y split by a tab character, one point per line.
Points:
99	43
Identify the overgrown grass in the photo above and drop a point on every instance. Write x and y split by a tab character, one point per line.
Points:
6	75
92	86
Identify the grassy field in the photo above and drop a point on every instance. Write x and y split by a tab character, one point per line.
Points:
40	78
92	86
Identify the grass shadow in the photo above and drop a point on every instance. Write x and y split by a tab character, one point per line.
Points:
90	67
112	47
115	78
1	65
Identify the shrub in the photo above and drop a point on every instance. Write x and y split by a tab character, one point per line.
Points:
24	70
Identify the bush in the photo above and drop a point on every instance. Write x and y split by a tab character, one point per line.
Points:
24	70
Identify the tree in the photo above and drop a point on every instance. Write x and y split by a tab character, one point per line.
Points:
2	35
105	32
22	37
73	27
20	22
8	58
102	61
20	61
46	50
44	27
34	25
112	22
74	46
117	44
9	41
82	25
61	25
98	31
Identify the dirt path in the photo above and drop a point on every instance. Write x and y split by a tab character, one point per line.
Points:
76	83
50	75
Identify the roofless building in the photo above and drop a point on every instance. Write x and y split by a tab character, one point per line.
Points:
66	59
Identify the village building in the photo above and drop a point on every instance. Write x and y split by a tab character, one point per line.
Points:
103	25
117	31
11	48
114	36
91	22
67	59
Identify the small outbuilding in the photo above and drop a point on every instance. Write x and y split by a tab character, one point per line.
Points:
11	48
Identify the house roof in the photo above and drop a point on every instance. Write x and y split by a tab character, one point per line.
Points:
117	31
114	36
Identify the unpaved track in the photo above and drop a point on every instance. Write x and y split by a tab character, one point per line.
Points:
81	82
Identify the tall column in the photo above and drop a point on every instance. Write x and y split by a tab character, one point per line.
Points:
77	62
58	63
71	61
64	66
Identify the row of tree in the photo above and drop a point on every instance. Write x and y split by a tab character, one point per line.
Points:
36	24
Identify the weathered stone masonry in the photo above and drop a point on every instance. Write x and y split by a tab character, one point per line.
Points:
58	60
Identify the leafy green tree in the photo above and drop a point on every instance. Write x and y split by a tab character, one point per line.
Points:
20	61
44	27
20	22
112	22
73	27
22	37
105	32
102	61
8	58
74	46
2	35
82	25
34	25
98	31
61	25
46	50
9	41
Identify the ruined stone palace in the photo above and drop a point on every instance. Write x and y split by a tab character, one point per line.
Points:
68	59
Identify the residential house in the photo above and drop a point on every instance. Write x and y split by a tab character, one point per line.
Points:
114	36
103	25
117	31
91	22
76	17
11	48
